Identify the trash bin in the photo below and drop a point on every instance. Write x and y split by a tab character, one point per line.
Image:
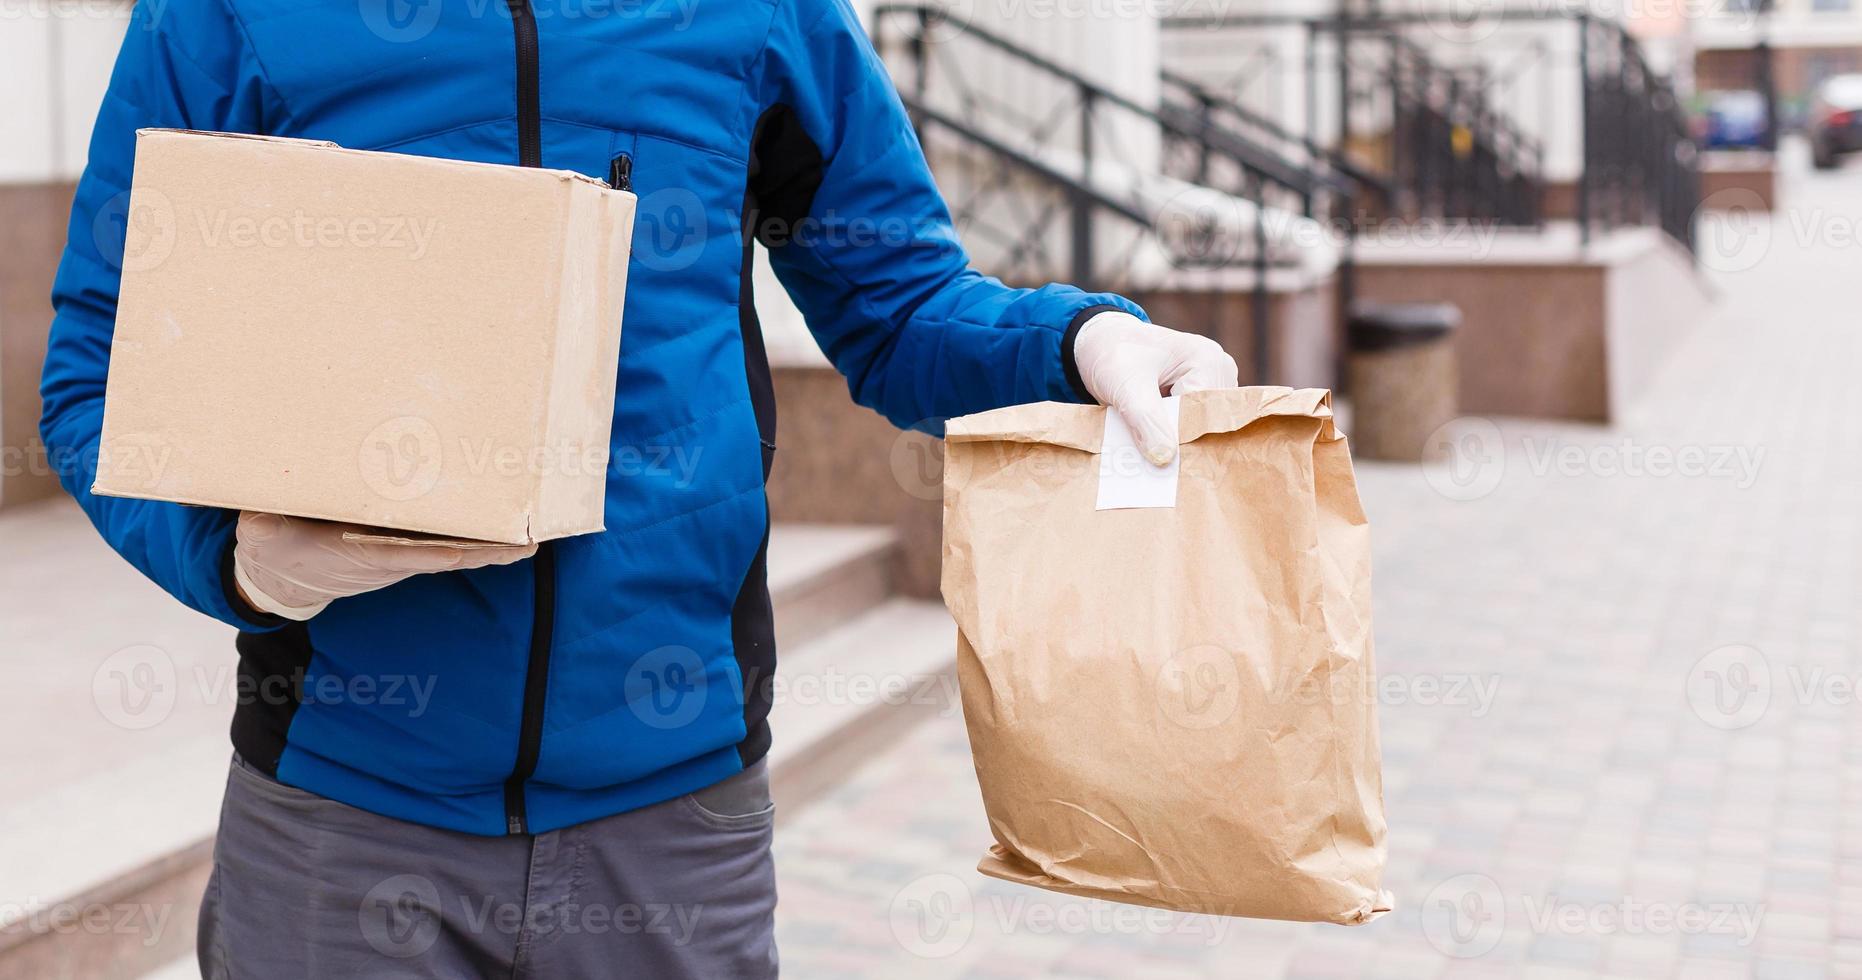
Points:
1400	373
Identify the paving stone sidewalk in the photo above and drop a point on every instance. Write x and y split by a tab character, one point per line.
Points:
1621	727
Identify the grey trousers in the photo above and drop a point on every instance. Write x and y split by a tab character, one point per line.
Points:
305	887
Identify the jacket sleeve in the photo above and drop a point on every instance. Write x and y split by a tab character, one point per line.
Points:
182	65
860	237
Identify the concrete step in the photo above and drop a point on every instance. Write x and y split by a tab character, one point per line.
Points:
113	696
843	698
821	575
123	697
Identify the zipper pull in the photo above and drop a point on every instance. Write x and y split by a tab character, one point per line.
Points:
621	173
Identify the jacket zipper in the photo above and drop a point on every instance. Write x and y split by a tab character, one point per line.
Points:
529	85
542	628
536	686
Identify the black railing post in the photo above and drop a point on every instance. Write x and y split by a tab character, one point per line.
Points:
1347	294
1205	116
1082	203
1767	85
1627	188
1422	139
1456	204
1261	301
1586	129
921	61
1312	83
1344	87
1399	140
1487	143
1537	193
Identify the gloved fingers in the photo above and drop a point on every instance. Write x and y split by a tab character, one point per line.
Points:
275	594
1202	379
482	557
273	531
1109	348
1198	363
268	564
1146	413
412	559
295	566
419	559
257	528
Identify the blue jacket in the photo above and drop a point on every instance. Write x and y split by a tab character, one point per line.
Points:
617	669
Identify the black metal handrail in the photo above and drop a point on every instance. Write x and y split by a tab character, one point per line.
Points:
1258	161
1459	156
1217	114
1641	164
1455	154
1027	240
1042	170
1451	153
1252	163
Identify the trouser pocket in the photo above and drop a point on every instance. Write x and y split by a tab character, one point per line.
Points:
737	801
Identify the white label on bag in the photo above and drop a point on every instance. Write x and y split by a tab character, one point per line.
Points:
1126	478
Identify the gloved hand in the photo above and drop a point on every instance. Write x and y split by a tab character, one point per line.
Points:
1130	365
294	567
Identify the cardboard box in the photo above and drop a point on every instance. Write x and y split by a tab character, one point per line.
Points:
395	341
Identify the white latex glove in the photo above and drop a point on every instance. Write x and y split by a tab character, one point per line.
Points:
1130	365
294	567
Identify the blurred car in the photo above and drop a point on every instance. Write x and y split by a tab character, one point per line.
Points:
1836	120
1733	120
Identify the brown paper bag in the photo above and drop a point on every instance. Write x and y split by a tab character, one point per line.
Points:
1171	706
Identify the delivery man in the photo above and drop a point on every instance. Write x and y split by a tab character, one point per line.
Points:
581	793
